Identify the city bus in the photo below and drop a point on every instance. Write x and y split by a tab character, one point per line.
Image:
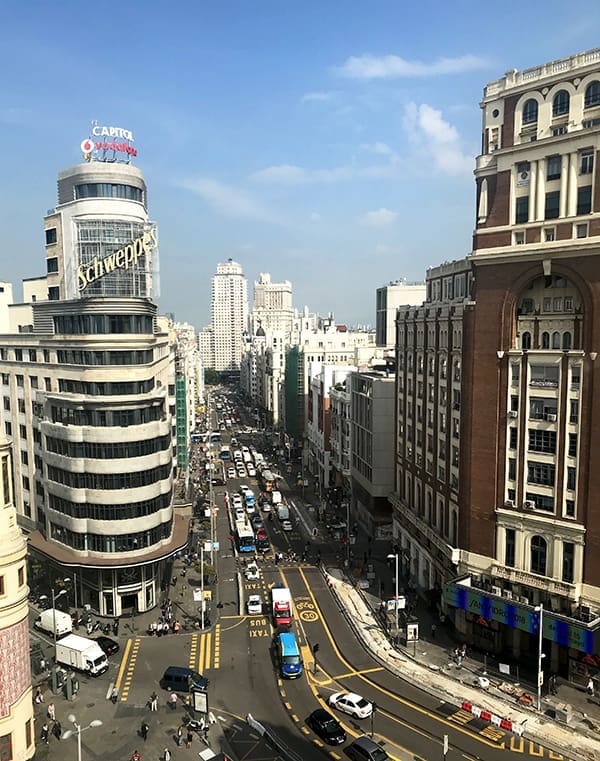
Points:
225	452
244	536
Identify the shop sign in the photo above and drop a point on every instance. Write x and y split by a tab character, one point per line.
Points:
124	258
517	616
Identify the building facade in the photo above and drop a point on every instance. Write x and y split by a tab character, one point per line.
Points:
17	730
89	400
387	300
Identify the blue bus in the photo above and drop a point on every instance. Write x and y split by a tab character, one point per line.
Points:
289	656
244	536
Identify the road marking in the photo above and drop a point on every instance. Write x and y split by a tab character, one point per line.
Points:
217	659
555	756
124	658
517	744
358	673
533	751
130	669
207	652
309	615
461	717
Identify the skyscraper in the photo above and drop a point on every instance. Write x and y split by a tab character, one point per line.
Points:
229	316
272	308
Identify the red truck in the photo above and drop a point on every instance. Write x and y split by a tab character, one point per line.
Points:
282	605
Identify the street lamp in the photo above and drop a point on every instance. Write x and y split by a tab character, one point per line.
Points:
389	557
78	730
539	609
54	599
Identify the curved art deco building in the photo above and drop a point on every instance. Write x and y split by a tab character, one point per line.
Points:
89	395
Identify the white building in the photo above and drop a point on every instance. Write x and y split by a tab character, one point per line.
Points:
388	298
88	398
229	318
272	308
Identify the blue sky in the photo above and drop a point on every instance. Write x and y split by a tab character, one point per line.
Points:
328	143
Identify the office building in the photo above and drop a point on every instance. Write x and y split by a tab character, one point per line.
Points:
387	300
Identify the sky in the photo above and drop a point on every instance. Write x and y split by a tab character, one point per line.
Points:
331	144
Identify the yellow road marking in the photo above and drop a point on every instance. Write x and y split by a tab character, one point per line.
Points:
461	717
201	657
358	672
555	756
217	659
130	669
123	663
533	751
517	744
207	652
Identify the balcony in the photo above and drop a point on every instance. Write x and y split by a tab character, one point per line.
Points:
423	533
549	585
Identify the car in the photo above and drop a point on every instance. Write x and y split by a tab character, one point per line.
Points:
230	472
287	525
240	513
251	471
244	489
252	572
326	726
237	500
254	605
365	749
257	521
108	645
218	482
351	703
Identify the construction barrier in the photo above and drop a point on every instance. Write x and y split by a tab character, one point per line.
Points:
497	721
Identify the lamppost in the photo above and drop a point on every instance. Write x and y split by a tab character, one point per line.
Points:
78	730
54	599
539	609
395	556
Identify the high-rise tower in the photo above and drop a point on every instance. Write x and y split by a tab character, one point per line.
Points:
229	315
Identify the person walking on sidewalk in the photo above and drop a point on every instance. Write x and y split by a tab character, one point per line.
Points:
189	738
51	712
154	702
590	687
57	730
173	701
45	733
166	755
135	756
144	731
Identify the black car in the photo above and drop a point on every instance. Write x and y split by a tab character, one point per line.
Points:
326	726
108	645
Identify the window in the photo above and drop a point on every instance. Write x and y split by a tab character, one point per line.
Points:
574	413
519	238
526	341
52	265
560	104
512	469
572	445
570	508
584	199
542	441
541	473
28	733
510	542
552	208
557	131
21	575
549	233
581	230
553	167
530	112
539	551
545	340
568	562
512	438
571	478
575	375
592	95
566	341
19	355
53	293
586	162
2	590
50	236
20	381
522	211
32	355
568	304
6	748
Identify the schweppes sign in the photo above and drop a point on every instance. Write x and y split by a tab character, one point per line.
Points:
124	258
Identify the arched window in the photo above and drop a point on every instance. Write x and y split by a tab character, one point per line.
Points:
539	553
566	341
556	340
526	341
560	104
545	340
530	112
592	94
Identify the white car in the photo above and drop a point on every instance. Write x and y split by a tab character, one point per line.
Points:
237	501
351	703
244	488
252	572
230	472
287	525
240	513
254	605
251	471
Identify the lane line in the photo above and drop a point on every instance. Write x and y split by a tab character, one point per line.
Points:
124	659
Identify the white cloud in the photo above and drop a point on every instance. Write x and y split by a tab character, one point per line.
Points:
394	67
378	218
433	135
316	96
225	199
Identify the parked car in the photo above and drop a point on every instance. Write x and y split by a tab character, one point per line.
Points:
365	749
326	726
351	703
108	645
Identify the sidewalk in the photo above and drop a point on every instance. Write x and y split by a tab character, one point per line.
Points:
430	663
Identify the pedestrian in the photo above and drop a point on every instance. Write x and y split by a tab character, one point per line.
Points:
144	731
179	739
135	756
45	733
57	730
42	665
433	630
39	695
189	738
590	687
51	712
173	701
114	696
166	755
154	702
